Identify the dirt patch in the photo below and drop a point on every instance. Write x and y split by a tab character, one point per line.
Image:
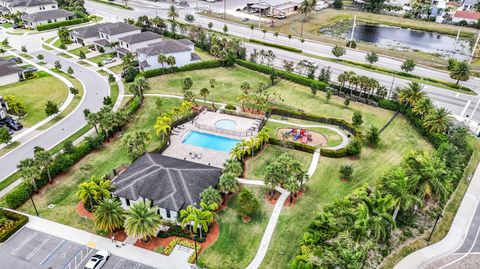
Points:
82	211
314	138
272	199
246	219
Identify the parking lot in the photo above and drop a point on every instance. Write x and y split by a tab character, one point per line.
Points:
30	249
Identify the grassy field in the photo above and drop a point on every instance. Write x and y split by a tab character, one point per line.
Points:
325	185
255	167
102	57
77	51
238	241
35	93
117	69
62	193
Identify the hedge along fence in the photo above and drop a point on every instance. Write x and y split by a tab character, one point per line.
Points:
19	221
299	79
61	163
274	45
188	67
59	24
331	153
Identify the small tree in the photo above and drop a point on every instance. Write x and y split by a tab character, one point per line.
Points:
111	78
346	172
107	101
51	108
371	57
338	4
24	49
346	103
57	65
204	92
210	25
329	95
408	65
461	72
225	28
452	63
158	103
40	57
5	136
74	91
314	87
373	136
82	55
189	18
187	84
354	147
357	119
70	70
211	196
325	74
338	51
247	203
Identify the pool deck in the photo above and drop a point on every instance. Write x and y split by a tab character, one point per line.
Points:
215	158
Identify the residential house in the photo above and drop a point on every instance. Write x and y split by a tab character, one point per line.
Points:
130	43
29	6
9	72
86	35
275	10
468	4
169	183
32	20
3	108
470	17
110	34
181	49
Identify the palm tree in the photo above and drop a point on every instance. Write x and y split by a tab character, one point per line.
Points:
162	59
353	79
88	193
461	72
199	218
380	222
343	78
242	98
43	159
292	186
204	93
423	107
273	175
108	215
162	125
171	61
136	143
228	183
172	13
437	121
186	216
139	86
29	172
93	120
104	187
412	93
232	166
142	220
127	59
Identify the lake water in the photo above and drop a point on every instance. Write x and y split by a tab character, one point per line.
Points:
401	38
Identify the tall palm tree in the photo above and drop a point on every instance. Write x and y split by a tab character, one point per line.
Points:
108	215
142	221
423	107
186	216
461	72
437	121
171	61
343	78
88	193
228	183
172	13
292	186
242	98
127	59
163	125
139	86
199	218
104	187
44	159
412	93
29	172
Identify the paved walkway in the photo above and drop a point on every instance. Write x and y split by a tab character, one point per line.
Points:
460	232
128	251
345	139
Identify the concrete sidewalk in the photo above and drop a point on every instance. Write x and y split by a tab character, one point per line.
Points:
457	234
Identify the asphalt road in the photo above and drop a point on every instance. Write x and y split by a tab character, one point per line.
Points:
96	87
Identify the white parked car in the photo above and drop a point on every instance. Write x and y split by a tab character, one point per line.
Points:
309	63
98	260
108	60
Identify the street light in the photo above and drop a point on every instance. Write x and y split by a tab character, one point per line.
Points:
33	203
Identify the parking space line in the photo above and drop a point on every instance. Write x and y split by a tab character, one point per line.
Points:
120	262
138	266
465	108
29	256
26	241
53	251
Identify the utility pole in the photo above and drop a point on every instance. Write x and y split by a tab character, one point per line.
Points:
391	86
353	29
456	40
475	47
259	13
225	11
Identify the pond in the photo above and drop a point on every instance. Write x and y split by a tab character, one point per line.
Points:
401	38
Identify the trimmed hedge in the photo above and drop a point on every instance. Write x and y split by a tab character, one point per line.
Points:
19	221
188	67
340	153
59	24
299	79
278	46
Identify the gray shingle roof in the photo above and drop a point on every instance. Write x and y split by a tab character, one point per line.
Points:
102	42
31	3
164	47
169	182
88	31
118	28
123	51
8	68
47	15
140	37
194	57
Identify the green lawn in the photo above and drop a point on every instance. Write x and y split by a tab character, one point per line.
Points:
238	241
62	193
325	185
117	68
255	167
102	57
6	25
35	93
76	51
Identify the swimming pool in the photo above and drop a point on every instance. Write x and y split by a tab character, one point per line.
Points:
204	140
226	124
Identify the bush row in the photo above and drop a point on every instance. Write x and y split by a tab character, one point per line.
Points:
19	221
188	67
59	24
339	153
182	242
274	45
299	79
62	162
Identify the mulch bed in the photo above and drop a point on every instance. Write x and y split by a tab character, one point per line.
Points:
82	211
272	199
294	200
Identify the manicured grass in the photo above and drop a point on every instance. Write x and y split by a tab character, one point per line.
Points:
64	55
204	55
35	93
77	51
76	100
101	57
57	43
114	91
108	3
255	167
116	69
6	25
45	47
102	72
62	193
238	241
325	186
83	63
27	56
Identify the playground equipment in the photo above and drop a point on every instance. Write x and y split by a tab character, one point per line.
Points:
293	131
305	138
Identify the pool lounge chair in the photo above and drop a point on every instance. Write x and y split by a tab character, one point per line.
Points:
198	155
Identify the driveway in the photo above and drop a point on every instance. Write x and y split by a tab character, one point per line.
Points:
32	249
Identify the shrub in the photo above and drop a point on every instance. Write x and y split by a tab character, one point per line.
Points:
373	136
230	107
59	24
275	45
19	221
18	195
346	171
247	203
354	147
188	67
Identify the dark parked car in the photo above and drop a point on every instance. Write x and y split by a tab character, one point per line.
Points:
15	60
125	70
12	124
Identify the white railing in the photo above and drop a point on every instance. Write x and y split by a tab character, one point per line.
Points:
224	131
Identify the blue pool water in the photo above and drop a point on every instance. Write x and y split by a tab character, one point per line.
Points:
226	124
215	142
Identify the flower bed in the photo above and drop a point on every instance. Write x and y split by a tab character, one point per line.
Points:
17	222
182	242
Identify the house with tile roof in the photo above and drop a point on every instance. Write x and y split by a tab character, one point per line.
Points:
130	43
181	49
9	72
86	35
169	183
110	34
29	6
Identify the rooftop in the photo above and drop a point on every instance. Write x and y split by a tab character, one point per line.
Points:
467	15
165	47
8	68
48	15
88	31
169	182
140	37
118	28
30	3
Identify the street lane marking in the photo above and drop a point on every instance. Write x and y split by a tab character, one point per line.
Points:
120	262
465	108
457	95
29	256
26	241
475	109
53	251
138	266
